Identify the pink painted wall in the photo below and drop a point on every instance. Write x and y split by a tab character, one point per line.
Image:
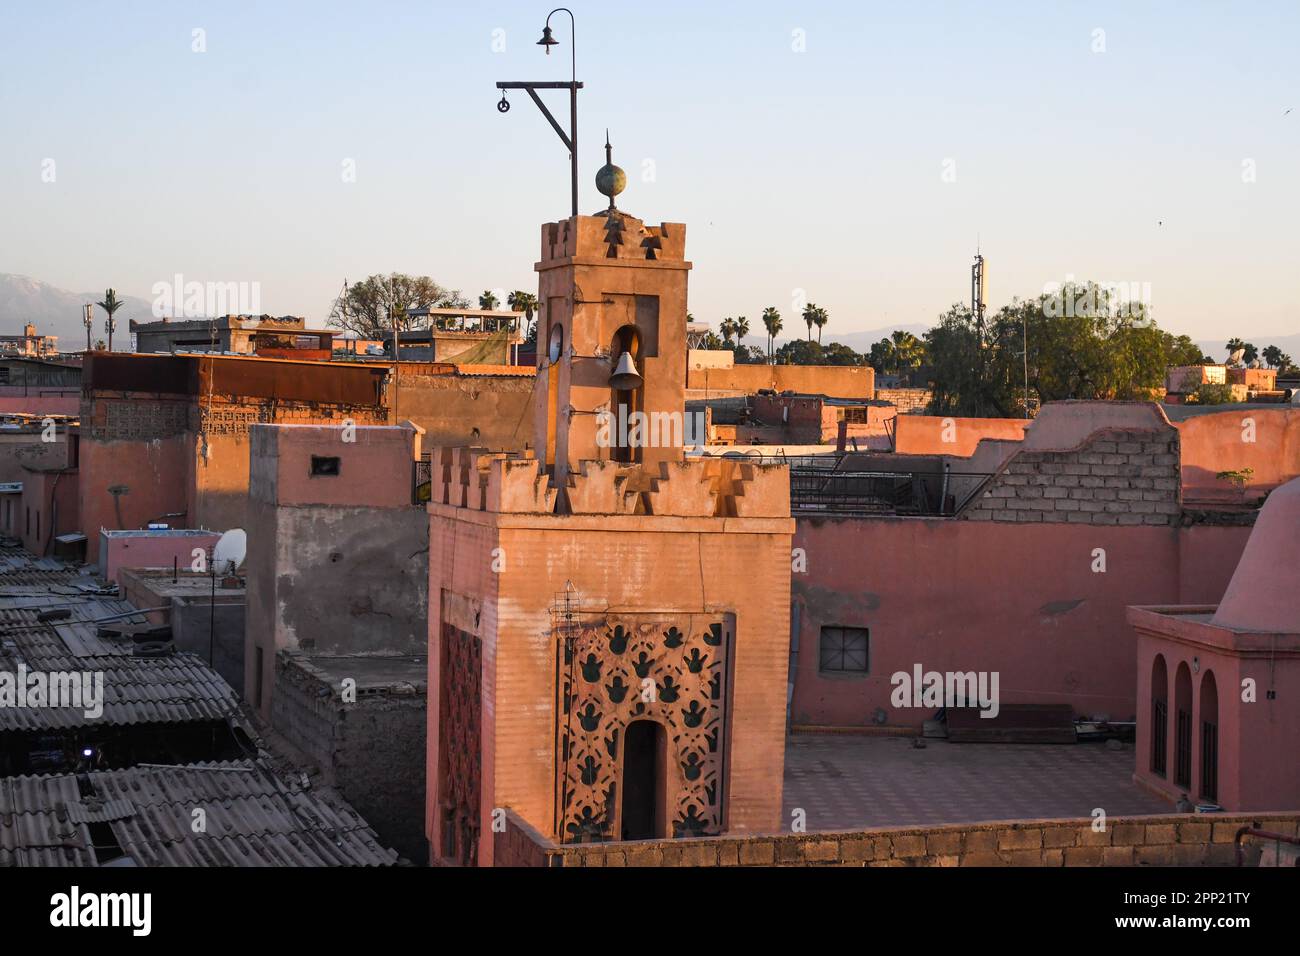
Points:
64	404
153	471
956	595
1218	442
151	551
925	434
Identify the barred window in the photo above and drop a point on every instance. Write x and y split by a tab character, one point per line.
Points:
844	650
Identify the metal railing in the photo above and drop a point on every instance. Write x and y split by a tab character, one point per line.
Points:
819	490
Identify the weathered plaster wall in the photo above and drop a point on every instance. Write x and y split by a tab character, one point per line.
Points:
28	450
1264	438
325	576
450	408
939	435
834	381
51	498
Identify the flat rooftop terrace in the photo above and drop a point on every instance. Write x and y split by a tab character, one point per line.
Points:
856	782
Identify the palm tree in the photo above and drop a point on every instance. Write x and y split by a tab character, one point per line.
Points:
772	322
487	301
741	325
1272	355
820	318
904	350
809	317
525	302
814	314
110	305
728	328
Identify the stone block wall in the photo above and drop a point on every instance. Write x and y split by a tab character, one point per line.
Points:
1116	477
1163	840
908	401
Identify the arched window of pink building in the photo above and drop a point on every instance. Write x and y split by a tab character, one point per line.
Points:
1159	715
1209	737
1183	727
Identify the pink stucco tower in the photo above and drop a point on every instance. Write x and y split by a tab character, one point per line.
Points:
608	619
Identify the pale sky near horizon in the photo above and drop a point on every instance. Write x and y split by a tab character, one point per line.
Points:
820	170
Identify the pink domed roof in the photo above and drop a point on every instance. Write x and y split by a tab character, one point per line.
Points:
1264	594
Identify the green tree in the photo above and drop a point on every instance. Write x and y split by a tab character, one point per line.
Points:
369	309
728	328
1101	352
487	300
800	352
110	305
1272	355
741	326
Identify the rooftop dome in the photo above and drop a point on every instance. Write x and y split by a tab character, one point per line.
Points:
1264	594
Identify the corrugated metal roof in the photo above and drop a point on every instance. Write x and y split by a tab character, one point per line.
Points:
137	690
251	817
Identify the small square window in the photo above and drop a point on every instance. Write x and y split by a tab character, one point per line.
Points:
323	466
844	650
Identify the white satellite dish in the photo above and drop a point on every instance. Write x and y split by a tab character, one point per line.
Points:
229	552
1236	357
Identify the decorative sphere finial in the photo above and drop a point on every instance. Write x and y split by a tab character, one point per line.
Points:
610	179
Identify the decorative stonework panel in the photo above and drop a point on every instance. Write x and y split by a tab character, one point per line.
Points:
460	745
624	668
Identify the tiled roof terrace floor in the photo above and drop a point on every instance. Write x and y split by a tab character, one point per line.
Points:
852	782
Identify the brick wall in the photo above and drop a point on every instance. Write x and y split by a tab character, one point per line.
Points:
1116	477
909	401
1165	840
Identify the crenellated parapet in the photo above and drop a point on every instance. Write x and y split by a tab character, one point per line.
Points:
616	236
498	482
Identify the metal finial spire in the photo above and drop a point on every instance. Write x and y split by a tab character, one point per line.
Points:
610	180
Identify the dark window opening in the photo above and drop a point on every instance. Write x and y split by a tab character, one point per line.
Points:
324	466
844	650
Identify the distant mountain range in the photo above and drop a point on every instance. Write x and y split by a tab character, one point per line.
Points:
56	311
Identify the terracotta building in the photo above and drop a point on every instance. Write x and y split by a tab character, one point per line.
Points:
608	622
164	438
1218	721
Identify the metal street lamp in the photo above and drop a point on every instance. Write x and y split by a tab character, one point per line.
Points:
570	139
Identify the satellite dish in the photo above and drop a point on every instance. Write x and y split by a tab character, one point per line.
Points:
1236	356
229	552
556	345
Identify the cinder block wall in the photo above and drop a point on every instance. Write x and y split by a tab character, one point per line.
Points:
371	750
1116	477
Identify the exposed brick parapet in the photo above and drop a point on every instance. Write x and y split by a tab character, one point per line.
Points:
1160	840
1117	476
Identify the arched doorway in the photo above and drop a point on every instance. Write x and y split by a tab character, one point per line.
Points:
1183	726
644	756
1209	737
1159	716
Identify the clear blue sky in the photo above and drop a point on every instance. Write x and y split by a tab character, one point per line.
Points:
818	170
